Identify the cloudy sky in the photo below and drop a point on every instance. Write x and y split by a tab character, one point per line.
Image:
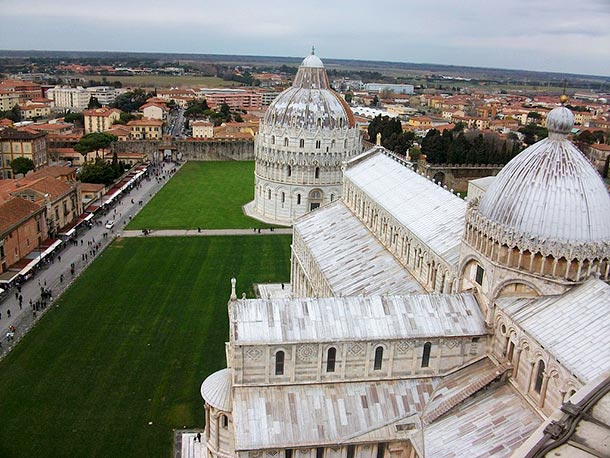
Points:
552	35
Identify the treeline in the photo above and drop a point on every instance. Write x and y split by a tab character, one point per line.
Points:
392	135
458	147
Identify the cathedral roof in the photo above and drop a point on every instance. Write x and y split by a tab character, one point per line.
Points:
310	103
350	259
550	191
433	214
335	319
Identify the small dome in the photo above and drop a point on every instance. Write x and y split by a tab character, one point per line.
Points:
550	192
560	120
216	390
312	61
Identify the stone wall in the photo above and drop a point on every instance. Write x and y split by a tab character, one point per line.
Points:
207	150
456	176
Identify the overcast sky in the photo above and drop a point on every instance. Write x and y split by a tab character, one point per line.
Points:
553	35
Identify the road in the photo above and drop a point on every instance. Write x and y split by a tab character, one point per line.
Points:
50	276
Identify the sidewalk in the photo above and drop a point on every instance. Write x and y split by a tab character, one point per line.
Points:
206	232
81	255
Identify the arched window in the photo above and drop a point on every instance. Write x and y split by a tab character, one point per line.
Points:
332	197
283	197
425	359
332	144
224	421
319	122
269	194
331	358
286	141
539	377
279	363
298	199
317	172
318	144
378	358
479	275
289	170
273	139
301	143
340	122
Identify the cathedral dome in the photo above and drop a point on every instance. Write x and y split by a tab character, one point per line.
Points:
310	103
550	192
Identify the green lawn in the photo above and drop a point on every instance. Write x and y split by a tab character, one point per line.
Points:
202	194
130	343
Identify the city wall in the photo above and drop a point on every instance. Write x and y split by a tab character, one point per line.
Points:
211	150
456	176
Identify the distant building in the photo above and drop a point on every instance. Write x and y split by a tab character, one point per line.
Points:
105	95
145	129
26	90
8	99
100	119
202	129
31	110
395	88
22	229
15	143
234	98
154	110
69	97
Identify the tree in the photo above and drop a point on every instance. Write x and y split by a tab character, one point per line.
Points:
22	165
124	118
94	142
132	101
98	171
349	97
94	103
76	118
533	133
14	114
534	115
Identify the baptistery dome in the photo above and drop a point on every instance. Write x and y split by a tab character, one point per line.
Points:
310	103
550	191
307	133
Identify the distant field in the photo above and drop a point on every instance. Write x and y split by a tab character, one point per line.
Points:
119	363
166	80
202	194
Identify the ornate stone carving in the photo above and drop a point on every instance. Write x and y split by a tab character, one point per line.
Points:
307	352
254	353
355	349
403	346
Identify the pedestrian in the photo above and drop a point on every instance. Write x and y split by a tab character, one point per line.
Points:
61	278
198	437
17	295
59	258
8	312
282	285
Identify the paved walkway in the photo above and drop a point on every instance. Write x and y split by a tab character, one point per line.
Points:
205	232
56	276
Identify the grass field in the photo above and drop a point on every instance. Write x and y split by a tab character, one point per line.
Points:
130	343
202	194
166	81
